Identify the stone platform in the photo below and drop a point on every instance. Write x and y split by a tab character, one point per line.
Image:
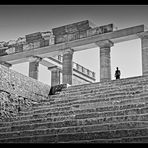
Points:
104	112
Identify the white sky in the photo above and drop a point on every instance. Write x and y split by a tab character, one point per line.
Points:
21	20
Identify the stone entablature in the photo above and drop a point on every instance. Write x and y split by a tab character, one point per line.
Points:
48	38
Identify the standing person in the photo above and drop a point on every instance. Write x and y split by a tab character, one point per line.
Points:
117	73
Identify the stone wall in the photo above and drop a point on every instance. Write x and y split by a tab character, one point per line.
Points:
19	92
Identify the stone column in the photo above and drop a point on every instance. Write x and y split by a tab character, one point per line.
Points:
33	67
144	45
67	68
105	64
55	76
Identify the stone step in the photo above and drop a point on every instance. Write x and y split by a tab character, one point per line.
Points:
77	108
81	119
137	139
113	83
93	103
77	129
122	93
57	138
88	88
89	99
92	94
83	109
90	91
39	118
44	110
95	91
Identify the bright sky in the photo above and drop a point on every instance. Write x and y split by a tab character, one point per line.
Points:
20	20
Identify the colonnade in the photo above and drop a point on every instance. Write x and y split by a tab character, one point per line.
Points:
105	63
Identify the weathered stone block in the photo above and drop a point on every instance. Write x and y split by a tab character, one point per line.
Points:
33	37
61	38
73	36
71	28
18	48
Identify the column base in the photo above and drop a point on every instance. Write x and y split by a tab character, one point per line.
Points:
105	79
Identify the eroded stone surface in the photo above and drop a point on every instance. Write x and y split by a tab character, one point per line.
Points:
18	92
104	112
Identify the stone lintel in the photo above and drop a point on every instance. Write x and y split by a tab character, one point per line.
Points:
105	44
55	77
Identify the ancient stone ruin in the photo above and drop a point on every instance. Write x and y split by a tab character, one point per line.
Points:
109	111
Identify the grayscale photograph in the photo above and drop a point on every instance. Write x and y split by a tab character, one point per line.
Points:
73	73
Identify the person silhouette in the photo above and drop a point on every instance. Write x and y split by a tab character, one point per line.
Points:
117	73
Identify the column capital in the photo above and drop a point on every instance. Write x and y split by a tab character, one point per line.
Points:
67	51
143	35
53	68
34	59
105	43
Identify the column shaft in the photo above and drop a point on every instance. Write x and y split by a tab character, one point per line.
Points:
67	67
33	69
55	77
105	65
144	44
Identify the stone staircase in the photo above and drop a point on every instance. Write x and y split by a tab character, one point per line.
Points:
107	112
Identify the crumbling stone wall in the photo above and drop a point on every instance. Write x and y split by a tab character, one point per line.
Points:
18	92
